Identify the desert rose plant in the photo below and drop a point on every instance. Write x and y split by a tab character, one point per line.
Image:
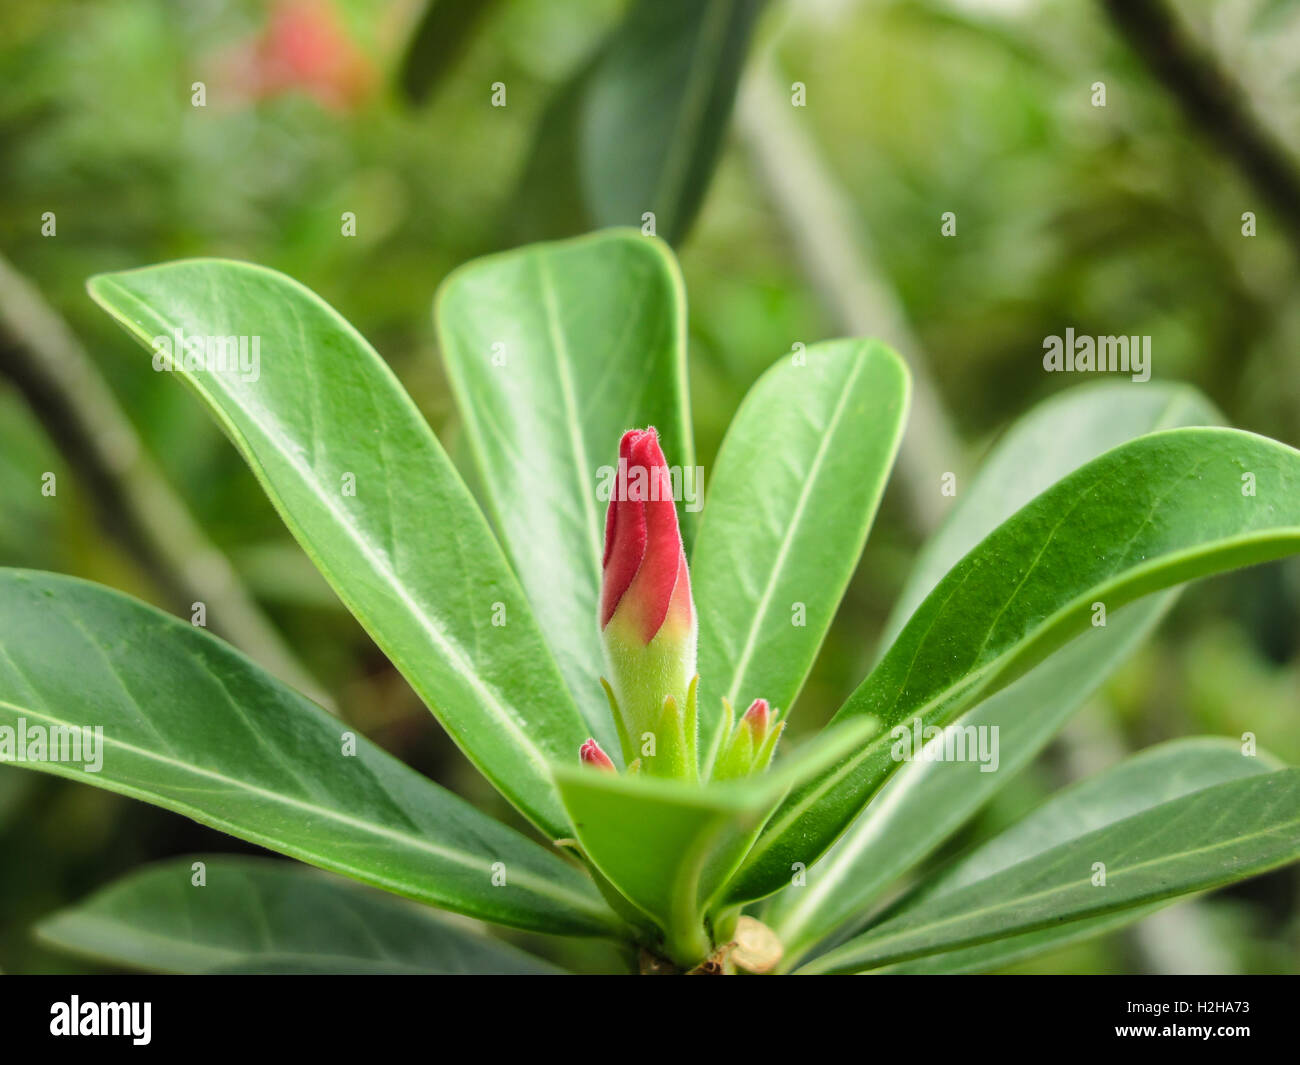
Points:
621	664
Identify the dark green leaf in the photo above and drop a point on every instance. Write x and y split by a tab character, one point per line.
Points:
259	915
1152	513
641	127
1205	838
926	801
191	725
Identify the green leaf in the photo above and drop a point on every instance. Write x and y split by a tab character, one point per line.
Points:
593	337
260	915
1152	513
437	42
1188	816
409	552
926	801
793	493
668	846
193	726
1001	952
641	126
655	111
1054	439
1149	778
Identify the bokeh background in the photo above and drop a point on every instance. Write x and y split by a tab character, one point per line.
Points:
792	224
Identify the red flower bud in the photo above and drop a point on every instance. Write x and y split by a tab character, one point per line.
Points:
647	619
591	754
756	719
645	576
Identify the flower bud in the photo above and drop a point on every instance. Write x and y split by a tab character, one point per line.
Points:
752	742
591	754
647	618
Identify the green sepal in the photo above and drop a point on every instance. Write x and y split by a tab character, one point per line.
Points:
764	757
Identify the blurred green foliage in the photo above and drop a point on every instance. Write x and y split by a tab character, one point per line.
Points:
1120	219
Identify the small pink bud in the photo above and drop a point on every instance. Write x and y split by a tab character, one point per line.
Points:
591	754
758	715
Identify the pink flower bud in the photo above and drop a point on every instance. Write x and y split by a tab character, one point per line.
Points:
591	754
757	717
647	619
645	577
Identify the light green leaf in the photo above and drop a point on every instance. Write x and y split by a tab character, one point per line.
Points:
260	915
668	846
1149	514
1182	818
364	486
926	801
794	491
193	726
553	352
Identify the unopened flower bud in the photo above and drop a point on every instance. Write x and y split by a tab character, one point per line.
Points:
647	618
591	754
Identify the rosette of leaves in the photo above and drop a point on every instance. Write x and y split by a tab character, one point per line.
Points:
1056	560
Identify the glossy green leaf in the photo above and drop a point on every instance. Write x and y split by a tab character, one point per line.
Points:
793	493
926	801
192	725
366	489
641	126
554	351
1149	514
1054	439
1185	817
260	915
668	846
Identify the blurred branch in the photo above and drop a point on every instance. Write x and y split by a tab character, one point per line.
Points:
61	383
1213	101
836	256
